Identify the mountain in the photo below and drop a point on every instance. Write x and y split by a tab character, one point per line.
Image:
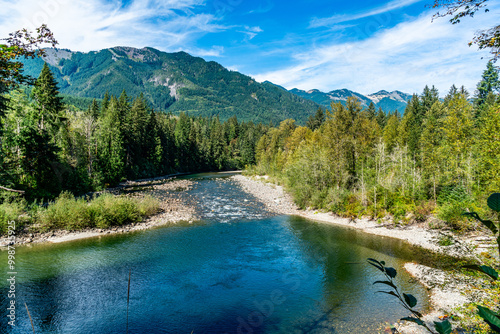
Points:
172	82
389	102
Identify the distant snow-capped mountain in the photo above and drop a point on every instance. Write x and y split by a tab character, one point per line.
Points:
388	101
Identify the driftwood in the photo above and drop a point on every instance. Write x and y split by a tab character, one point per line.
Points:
13	190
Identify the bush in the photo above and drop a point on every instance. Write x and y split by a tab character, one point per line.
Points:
452	200
65	212
70	213
12	211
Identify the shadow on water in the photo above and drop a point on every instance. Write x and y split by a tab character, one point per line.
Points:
241	271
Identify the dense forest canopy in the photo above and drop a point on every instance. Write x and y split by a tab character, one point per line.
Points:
49	146
440	156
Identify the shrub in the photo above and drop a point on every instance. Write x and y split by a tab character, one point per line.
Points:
70	213
12	211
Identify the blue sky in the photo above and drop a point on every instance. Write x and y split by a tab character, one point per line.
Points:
364	46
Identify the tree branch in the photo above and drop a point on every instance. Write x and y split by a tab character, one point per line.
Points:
13	190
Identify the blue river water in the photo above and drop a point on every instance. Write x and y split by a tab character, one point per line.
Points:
240	270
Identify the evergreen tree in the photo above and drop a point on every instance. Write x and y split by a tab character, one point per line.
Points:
390	134
314	122
105	103
414	115
93	110
458	130
110	146
381	118
431	141
428	98
48	102
451	94
488	148
372	112
489	84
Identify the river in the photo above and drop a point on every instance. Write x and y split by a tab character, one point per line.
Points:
239	270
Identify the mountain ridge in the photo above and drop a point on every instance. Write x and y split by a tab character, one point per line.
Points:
172	82
388	101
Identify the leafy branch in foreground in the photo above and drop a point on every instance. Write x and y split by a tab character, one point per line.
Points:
459	9
492	318
407	300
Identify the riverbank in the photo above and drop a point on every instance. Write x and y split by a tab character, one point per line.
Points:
173	209
446	289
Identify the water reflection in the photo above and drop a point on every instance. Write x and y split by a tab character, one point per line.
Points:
260	274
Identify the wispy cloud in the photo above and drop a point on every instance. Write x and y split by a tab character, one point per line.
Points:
251	32
263	8
335	19
85	25
405	57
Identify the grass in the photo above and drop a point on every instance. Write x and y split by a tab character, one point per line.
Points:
12	211
70	213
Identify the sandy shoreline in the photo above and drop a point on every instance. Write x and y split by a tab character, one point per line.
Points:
173	210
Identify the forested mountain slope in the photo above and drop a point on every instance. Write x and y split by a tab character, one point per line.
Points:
172	82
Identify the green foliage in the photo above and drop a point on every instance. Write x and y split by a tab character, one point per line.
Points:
48	147
408	301
70	213
490	317
355	165
489	83
12	211
174	82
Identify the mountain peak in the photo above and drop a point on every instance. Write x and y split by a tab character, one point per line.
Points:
388	101
171	82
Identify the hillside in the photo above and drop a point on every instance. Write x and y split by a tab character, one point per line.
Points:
172	82
388	101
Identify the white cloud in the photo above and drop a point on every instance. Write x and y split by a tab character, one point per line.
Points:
332	20
406	57
251	32
85	25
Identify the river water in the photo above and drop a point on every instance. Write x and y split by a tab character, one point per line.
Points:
240	270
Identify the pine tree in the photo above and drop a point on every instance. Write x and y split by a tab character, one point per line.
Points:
488	148
93	110
451	94
428	98
489	84
48	102
458	135
414	115
372	112
431	141
110	146
105	103
391	133
381	118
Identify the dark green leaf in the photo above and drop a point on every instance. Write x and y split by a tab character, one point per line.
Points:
389	283
484	269
491	225
494	202
392	293
488	223
491	318
410	300
415	320
418	314
391	272
443	327
376	264
382	262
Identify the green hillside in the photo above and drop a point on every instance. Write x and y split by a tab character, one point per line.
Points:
172	82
